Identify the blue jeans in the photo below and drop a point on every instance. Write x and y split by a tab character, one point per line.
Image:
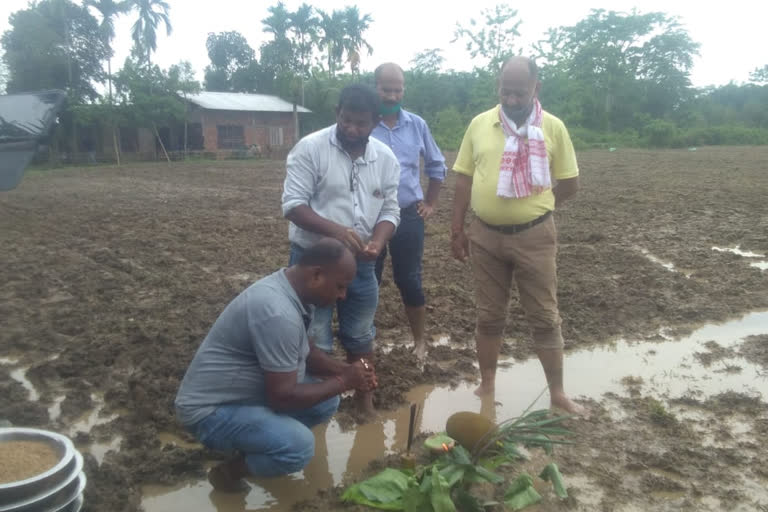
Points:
273	444
355	312
407	249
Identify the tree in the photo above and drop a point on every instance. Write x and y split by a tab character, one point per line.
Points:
428	61
352	42
232	60
494	39
150	14
331	39
3	76
759	75
54	44
181	78
108	10
631	63
148	96
304	25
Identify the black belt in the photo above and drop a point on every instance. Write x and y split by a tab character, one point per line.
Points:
516	228
411	208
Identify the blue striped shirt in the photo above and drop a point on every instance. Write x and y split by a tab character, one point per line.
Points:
411	140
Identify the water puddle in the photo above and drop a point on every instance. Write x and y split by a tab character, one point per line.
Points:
762	265
92	418
54	411
99	449
667	369
89	420
665	264
168	438
20	376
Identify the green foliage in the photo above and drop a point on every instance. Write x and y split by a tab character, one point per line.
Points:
521	493
624	63
233	65
428	61
616	79
493	38
660	415
147	95
150	14
448	128
55	44
759	75
551	473
446	482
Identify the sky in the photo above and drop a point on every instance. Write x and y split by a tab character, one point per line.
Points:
730	33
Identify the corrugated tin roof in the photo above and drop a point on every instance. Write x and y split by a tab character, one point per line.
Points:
242	101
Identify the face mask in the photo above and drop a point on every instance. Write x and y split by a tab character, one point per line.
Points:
521	112
388	109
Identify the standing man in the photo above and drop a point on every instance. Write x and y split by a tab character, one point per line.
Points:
254	386
506	166
409	137
342	185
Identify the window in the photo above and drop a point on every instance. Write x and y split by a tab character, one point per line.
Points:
275	136
231	137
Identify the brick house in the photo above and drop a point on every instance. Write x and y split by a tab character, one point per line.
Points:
226	121
219	125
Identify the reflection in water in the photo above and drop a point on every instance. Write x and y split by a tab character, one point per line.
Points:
666	368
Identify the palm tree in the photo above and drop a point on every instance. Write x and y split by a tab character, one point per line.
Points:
304	24
332	39
109	10
150	14
353	42
278	22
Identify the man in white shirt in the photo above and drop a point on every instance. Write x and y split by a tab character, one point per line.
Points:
343	185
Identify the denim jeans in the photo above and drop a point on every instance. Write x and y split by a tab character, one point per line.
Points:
273	444
355	313
406	248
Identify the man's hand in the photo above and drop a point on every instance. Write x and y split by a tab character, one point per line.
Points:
459	245
425	209
350	238
371	251
357	376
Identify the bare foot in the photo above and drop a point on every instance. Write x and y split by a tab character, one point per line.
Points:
224	479
485	389
567	405
420	351
366	412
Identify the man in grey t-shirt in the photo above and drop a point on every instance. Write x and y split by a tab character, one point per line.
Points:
256	385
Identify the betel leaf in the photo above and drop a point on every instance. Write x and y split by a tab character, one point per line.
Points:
440	494
468	503
453	474
521	493
384	490
436	442
552	473
460	455
414	500
476	474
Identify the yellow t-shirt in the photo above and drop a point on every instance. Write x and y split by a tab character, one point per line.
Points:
480	158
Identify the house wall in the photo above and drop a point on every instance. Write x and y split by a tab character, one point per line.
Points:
256	128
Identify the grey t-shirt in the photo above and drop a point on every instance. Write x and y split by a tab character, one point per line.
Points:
262	329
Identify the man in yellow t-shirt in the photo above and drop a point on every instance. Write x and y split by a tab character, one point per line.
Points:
515	164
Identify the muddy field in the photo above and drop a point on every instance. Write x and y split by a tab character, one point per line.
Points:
111	277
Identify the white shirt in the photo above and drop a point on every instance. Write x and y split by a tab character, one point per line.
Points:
359	194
